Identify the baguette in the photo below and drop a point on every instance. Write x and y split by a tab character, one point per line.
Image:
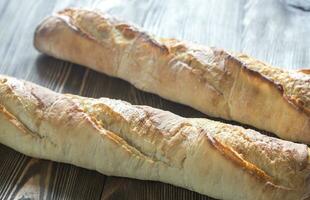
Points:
119	139
220	84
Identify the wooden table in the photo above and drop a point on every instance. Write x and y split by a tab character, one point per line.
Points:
267	29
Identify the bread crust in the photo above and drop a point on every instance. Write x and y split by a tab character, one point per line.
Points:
231	86
116	138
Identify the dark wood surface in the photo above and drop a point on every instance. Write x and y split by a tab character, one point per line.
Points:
267	29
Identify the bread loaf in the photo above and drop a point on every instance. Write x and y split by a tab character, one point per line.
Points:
218	83
119	139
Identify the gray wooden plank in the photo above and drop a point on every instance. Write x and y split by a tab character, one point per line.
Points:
278	33
123	188
213	23
17	27
28	178
11	167
70	182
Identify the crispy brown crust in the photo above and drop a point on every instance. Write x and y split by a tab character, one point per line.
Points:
306	71
128	31
229	86
131	32
12	119
298	105
293	101
135	128
233	156
228	153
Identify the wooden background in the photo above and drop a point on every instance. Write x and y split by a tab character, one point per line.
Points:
271	30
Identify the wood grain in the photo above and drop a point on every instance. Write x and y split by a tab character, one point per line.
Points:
268	29
277	32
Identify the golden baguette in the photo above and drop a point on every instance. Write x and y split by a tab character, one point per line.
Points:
231	86
119	139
